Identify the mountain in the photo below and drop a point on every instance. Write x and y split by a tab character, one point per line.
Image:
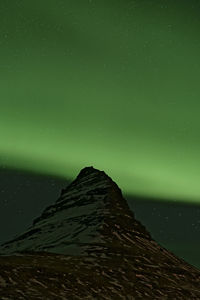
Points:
88	245
90	216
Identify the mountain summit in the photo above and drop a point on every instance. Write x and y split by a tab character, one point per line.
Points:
88	245
90	216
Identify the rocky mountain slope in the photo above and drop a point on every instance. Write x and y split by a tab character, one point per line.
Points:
88	245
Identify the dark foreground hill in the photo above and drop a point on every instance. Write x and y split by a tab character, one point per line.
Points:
88	245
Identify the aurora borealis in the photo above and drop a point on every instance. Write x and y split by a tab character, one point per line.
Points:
113	84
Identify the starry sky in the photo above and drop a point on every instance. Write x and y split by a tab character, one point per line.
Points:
113	84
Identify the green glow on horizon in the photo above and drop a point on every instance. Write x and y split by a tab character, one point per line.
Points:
113	84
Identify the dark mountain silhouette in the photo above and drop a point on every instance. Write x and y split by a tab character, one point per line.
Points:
88	245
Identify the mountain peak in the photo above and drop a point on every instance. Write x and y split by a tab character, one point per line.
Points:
88	170
88	175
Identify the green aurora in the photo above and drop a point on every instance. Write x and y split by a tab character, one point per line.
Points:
113	84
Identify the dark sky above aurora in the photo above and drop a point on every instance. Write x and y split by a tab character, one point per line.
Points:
114	84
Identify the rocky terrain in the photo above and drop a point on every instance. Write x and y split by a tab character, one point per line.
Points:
88	245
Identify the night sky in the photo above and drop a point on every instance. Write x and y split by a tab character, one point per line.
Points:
112	84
